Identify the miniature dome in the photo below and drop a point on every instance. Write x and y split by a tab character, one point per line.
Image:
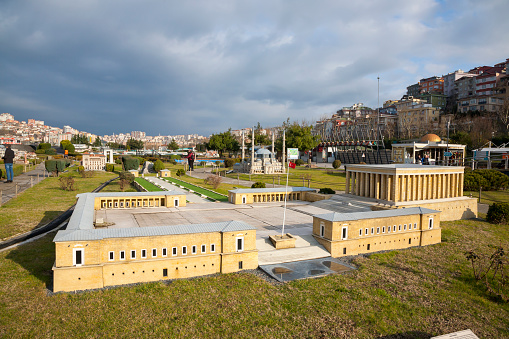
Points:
431	138
263	151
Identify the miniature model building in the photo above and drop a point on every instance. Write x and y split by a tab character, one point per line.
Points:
95	252
364	232
93	162
256	195
431	149
408	185
264	163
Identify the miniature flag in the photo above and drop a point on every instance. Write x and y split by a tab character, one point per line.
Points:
291	164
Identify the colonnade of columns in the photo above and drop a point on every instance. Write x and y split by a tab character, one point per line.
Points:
268	197
404	187
132	202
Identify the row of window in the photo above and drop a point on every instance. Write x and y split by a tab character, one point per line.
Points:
394	229
164	252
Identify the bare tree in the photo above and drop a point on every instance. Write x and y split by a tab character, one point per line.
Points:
502	114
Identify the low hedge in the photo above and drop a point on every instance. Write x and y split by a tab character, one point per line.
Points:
498	213
16	169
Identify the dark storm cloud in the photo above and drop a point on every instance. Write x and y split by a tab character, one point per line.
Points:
202	66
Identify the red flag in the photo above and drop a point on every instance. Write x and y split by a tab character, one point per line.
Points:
291	164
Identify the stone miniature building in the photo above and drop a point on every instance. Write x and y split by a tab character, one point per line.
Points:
164	173
408	185
93	253
257	195
264	163
93	162
365	232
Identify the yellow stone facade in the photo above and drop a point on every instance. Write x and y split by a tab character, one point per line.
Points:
398	185
260	195
87	257
367	232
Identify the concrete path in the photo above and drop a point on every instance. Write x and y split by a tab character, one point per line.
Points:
21	183
306	247
191	197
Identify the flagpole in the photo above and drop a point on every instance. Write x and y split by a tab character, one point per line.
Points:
286	194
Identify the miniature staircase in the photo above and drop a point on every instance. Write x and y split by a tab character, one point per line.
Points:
306	247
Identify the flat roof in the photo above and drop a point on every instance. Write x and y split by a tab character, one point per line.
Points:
98	234
273	189
401	166
374	214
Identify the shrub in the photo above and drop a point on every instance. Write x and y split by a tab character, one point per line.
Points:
495	179
40	151
82	169
258	184
129	177
44	146
299	162
336	164
158	165
214	181
229	162
124	184
67	183
326	190
110	167
173	161
473	180
51	151
498	213
118	161
130	163
218	163
180	172
175	157
54	166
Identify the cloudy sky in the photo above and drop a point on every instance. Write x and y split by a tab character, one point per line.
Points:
179	67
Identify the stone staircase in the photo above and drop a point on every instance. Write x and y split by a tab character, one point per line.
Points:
306	247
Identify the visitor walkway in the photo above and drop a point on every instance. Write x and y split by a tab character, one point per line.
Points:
21	183
191	197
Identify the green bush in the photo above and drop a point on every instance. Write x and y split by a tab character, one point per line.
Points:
180	172
44	145
158	165
258	184
118	161
55	166
175	157
17	170
299	162
326	190
498	213
173	161
110	167
489	180
51	151
40	151
229	162
336	164
130	163
82	169
218	163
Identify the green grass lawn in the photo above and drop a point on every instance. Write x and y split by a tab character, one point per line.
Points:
489	197
414	293
43	202
197	189
150	187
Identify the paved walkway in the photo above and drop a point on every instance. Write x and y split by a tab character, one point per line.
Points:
22	182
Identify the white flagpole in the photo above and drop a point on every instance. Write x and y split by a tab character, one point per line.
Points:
286	193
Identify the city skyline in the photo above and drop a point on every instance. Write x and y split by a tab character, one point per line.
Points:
178	68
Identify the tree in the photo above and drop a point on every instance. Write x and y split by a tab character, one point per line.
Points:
80	139
503	114
299	136
201	147
66	145
173	145
134	144
223	142
158	165
115	145
261	139
97	142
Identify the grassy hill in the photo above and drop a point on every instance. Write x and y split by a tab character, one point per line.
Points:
414	293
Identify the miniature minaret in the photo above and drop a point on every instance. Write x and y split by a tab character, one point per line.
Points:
243	150
252	151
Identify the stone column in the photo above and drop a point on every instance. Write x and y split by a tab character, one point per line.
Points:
462	177
378	183
372	185
367	181
383	186
347	186
357	183
362	183
396	185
